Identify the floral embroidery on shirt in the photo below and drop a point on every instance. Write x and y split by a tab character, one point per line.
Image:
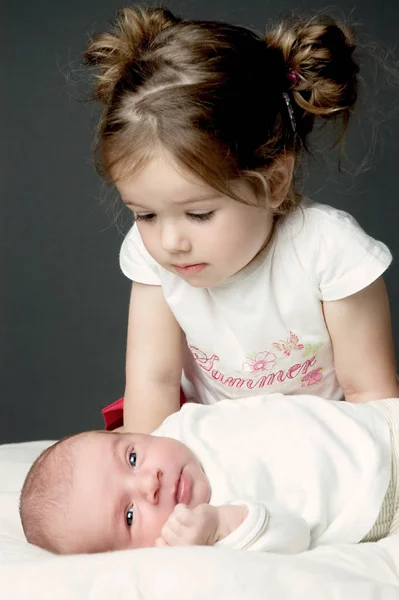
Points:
263	361
290	344
264	368
312	377
203	361
311	348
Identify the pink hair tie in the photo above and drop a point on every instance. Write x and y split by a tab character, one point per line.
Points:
292	76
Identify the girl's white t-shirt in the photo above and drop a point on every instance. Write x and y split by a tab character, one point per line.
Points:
262	330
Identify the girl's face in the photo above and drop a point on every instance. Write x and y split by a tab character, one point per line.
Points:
189	228
124	488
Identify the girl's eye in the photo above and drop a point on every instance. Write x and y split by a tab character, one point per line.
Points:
133	459
129	517
205	216
146	217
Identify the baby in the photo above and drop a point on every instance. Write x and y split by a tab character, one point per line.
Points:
271	473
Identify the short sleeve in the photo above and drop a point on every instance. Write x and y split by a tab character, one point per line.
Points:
268	530
347	259
135	261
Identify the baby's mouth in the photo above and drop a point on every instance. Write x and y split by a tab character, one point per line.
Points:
183	488
176	488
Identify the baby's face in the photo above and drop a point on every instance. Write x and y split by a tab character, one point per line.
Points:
124	488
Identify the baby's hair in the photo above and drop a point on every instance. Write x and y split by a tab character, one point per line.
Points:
217	96
44	495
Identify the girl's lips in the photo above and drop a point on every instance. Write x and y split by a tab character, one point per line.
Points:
184	488
189	269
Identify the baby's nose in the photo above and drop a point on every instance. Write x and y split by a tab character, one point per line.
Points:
150	485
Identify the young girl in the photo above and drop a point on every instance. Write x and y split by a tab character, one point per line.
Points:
240	285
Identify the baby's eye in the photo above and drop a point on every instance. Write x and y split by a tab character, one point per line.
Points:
129	517
133	459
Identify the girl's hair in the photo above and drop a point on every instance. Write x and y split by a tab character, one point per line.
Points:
215	95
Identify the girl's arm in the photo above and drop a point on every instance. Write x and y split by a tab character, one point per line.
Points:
153	360
364	355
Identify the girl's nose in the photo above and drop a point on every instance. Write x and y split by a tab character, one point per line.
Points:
174	240
149	485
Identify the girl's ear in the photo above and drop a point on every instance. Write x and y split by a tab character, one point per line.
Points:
280	177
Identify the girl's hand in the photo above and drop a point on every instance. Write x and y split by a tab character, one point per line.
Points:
201	526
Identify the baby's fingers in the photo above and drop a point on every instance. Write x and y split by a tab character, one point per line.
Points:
183	515
174	526
172	537
160	543
179	529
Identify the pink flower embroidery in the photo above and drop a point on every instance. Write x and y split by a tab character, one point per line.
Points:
202	359
290	344
263	361
312	377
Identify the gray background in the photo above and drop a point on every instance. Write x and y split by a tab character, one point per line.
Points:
63	301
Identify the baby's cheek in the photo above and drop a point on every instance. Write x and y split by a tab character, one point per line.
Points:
155	525
204	488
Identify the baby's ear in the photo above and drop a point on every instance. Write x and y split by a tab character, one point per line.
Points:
279	179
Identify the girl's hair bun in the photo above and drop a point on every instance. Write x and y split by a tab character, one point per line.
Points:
320	53
113	52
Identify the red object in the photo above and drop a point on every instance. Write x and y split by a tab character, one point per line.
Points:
113	413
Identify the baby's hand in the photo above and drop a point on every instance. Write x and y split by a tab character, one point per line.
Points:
203	525
190	526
